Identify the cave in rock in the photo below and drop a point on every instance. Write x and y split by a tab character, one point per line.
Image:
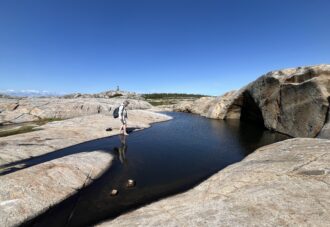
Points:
250	111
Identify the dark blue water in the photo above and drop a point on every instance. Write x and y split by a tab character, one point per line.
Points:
168	158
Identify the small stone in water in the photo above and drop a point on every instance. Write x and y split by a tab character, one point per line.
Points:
114	192
130	183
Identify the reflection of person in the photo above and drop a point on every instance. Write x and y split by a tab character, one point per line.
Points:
122	149
123	117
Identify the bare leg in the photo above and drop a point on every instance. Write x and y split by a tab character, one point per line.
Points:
125	133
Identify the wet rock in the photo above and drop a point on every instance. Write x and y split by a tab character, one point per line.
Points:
114	192
282	184
130	183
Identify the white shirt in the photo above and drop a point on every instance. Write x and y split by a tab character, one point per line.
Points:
122	112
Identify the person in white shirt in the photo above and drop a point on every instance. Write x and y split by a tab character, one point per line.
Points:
123	117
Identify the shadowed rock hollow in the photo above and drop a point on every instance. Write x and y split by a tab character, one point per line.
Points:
291	101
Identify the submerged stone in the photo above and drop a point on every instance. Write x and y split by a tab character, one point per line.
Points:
114	192
130	183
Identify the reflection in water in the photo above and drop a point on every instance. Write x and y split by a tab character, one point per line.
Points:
122	149
121	156
167	158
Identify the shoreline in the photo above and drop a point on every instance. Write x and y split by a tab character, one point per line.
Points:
254	191
60	134
29	192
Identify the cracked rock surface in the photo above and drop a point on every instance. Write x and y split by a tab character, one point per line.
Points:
282	184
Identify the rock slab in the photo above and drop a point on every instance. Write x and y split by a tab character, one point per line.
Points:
25	194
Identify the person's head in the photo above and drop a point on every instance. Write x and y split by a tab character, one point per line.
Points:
126	103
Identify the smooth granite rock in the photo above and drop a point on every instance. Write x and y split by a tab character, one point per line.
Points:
325	132
32	109
291	101
282	184
199	106
26	193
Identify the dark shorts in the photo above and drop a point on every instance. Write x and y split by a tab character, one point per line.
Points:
123	121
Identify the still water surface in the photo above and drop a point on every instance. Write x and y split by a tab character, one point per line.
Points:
170	157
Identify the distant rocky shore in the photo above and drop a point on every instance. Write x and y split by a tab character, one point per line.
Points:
32	109
106	95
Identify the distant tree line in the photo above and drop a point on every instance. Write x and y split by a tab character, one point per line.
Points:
171	95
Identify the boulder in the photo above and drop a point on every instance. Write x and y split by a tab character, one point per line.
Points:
325	132
290	101
282	184
198	106
293	101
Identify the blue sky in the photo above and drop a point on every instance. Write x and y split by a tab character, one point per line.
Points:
191	46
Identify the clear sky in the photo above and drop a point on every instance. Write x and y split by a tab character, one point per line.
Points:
191	46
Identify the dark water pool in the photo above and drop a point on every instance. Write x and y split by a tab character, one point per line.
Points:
167	158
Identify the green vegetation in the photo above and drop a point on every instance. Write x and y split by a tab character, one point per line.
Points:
46	120
116	95
171	96
158	99
28	127
163	102
23	129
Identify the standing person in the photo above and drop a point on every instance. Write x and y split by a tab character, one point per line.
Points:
123	117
